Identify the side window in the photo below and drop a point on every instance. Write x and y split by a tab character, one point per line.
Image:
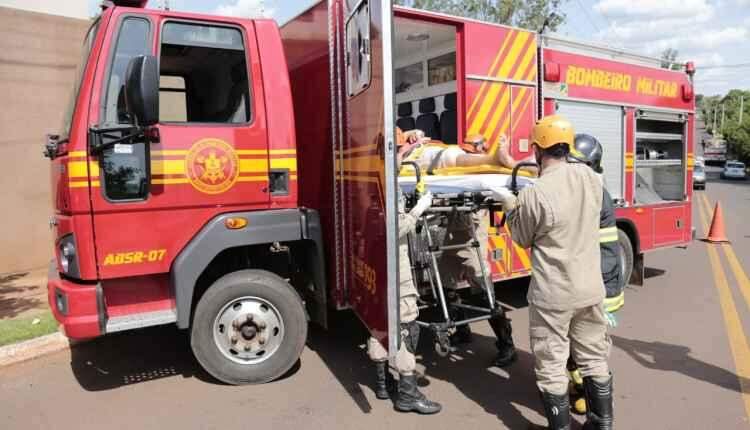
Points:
204	75
125	165
172	99
358	67
132	40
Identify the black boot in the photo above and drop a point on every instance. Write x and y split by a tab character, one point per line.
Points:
599	407
411	399
384	381
557	411
506	349
462	335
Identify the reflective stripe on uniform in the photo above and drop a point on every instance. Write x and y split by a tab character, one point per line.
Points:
613	304
608	234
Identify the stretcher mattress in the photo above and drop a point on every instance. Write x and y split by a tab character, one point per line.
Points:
499	183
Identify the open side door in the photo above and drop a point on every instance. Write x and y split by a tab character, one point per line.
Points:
365	166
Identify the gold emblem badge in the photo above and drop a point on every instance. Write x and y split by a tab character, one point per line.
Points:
212	166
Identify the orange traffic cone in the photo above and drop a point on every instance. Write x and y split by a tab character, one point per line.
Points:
716	233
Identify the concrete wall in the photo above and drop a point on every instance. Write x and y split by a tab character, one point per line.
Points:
70	8
38	58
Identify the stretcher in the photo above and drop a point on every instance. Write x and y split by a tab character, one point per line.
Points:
454	194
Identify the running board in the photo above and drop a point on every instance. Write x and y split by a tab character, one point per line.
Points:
148	319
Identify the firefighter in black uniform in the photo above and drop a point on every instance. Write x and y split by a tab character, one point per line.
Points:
588	150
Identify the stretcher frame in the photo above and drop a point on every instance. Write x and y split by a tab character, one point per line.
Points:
424	252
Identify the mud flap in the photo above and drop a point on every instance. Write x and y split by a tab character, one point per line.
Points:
639	271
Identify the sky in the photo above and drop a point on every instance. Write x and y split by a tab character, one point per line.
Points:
713	34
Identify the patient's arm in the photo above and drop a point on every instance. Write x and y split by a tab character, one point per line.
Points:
507	160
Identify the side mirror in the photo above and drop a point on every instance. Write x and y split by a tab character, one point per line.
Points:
142	90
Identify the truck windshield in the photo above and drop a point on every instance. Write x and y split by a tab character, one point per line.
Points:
85	51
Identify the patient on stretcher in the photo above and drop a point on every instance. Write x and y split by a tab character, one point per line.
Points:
431	155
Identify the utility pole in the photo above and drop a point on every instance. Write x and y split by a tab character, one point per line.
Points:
713	125
742	106
722	116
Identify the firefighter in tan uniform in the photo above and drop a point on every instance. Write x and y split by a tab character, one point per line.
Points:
409	398
558	218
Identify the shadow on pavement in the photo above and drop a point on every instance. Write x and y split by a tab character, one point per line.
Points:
499	392
15	299
134	357
676	358
340	349
652	272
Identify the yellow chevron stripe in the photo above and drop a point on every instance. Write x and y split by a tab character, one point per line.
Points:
252	179
525	262
77	169
628	162
499	110
363	148
253	165
283	152
170	181
527	57
165	152
494	90
284	163
475	103
355	178
513	55
367	163
82	184
168	167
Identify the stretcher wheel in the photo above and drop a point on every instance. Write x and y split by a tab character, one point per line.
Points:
442	350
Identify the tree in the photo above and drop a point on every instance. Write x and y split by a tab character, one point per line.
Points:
669	59
530	14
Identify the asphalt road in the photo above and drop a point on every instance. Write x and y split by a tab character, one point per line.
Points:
680	360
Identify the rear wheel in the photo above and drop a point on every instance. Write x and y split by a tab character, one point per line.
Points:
626	256
249	328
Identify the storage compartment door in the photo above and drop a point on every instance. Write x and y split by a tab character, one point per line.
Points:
670	225
606	124
366	169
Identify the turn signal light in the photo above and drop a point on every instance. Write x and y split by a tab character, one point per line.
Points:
235	223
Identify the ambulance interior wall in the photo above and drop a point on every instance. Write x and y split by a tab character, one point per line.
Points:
40	53
423	68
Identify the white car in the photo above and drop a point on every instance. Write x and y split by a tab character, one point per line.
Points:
734	170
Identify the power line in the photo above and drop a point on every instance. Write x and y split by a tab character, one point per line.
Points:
725	66
588	17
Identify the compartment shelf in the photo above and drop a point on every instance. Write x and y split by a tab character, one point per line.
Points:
657	136
657	163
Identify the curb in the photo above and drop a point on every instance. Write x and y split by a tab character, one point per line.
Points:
33	348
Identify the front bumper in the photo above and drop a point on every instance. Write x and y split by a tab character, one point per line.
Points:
78	307
735	175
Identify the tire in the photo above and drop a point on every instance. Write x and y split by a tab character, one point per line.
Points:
626	256
221	330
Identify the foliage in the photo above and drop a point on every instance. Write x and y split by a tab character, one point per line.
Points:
737	135
529	14
669	59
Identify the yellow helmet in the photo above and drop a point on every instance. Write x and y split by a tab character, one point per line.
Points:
551	130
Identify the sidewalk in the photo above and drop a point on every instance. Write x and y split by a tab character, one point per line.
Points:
23	294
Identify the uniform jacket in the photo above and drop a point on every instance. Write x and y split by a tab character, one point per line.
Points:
558	218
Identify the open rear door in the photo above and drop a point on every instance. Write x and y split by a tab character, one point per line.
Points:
366	174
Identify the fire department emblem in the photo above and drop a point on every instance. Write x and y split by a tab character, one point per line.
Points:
212	166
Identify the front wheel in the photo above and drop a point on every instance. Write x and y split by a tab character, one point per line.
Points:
626	256
249	328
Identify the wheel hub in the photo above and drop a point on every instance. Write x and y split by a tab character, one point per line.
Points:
248	330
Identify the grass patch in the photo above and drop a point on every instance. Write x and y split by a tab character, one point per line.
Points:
18	329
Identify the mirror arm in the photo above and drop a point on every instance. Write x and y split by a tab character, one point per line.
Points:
97	146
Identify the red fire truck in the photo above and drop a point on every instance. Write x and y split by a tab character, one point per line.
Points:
238	180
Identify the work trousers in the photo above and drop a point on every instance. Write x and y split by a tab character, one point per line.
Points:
405	363
458	265
556	334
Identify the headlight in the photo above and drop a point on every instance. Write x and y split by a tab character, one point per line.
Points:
68	257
